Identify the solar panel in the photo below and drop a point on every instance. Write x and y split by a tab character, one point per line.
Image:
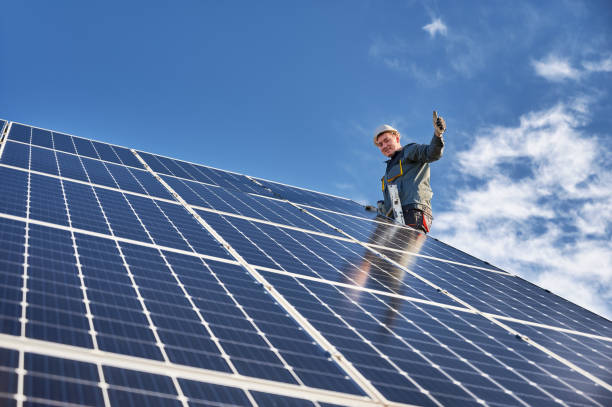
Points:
130	278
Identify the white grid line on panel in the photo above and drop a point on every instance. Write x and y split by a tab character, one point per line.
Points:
267	222
299	188
140	298
92	331
20	396
459	357
211	333
315	255
223	260
4	137
179	251
509	329
375	246
369	389
405	342
303	205
71	135
280	271
551	327
116	238
227	213
364	289
75	154
392	225
336	237
228	171
136	289
262	217
78	181
540	367
59	350
180	284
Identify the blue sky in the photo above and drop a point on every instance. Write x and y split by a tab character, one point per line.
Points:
291	91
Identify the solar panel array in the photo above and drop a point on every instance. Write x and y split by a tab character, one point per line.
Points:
130	279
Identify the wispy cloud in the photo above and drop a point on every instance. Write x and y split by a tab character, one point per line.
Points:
555	68
436	27
604	65
459	54
537	201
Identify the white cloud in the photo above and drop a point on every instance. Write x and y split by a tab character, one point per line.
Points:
538	202
605	65
435	27
555	69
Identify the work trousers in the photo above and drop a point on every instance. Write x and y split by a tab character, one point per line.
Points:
417	219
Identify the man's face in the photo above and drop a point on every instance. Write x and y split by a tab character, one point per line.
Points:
388	143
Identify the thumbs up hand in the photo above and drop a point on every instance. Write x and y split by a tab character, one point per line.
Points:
439	124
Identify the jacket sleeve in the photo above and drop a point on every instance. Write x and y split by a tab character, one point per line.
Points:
425	153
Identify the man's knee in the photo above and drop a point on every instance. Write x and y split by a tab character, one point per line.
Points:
418	219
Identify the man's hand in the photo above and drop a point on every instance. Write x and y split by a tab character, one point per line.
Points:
439	124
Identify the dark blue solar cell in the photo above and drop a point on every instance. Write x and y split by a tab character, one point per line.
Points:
9	358
8	385
16	154
153	162
124	178
85	212
127	157
14	191
150	184
36	363
139	380
187	191
129	399
71	167
84	147
196	235
20	132
206	392
174	168
199	173
109	285
275	400
63	142
43	160
63	391
47	200
315	199
106	152
246	248
161	230
12	240
51	258
98	174
121	217
41	138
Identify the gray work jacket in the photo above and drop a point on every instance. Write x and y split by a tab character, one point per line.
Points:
408	168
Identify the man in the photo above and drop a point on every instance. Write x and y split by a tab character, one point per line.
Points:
408	168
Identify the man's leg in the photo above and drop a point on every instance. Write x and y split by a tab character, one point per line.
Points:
418	219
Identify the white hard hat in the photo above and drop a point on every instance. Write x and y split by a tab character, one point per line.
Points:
383	129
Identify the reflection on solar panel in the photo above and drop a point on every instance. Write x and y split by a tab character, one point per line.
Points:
133	279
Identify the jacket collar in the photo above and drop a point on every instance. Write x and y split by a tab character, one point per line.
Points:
394	155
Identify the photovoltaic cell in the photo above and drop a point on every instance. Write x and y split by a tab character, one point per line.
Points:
208	175
316	199
387	235
233	201
256	285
